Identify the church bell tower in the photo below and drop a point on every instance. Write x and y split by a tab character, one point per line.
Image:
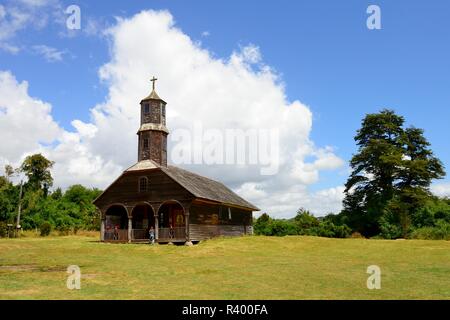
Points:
152	134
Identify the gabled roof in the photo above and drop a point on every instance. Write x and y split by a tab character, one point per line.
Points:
205	188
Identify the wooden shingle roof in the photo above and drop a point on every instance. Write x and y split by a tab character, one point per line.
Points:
205	188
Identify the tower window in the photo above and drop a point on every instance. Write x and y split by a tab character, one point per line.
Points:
143	181
146	108
145	143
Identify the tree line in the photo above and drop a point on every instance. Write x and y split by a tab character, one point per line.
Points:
42	209
387	194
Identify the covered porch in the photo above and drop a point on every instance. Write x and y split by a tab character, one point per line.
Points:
133	224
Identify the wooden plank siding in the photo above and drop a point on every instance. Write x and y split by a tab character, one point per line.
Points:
125	190
212	220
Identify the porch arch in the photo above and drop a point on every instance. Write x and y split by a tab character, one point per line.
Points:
142	219
116	223
172	222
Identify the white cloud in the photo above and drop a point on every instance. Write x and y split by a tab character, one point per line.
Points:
250	54
9	48
25	122
441	189
37	3
239	92
50	54
17	16
26	127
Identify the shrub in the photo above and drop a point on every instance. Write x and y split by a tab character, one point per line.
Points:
262	225
3	229
45	229
357	235
389	227
441	231
330	230
282	228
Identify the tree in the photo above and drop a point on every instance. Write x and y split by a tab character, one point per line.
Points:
9	195
9	172
37	169
305	221
371	183
262	225
391	172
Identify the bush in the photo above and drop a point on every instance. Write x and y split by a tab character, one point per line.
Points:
357	235
389	227
3	229
330	230
282	228
45	229
262	225
441	231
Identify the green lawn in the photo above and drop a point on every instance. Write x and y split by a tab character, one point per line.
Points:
226	268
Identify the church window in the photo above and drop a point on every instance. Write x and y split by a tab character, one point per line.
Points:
145	143
146	108
143	181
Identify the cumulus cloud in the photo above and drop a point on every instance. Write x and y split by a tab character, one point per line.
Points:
441	189
25	122
27	126
237	92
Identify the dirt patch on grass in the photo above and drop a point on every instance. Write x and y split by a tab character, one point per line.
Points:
33	268
19	267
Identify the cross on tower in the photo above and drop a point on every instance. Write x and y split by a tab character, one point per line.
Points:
153	80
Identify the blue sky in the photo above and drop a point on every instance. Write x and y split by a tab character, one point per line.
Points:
326	56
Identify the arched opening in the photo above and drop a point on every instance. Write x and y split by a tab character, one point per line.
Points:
171	220
116	223
143	219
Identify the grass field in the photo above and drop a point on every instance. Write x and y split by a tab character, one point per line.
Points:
226	268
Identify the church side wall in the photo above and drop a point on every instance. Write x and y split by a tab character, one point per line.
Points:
210	220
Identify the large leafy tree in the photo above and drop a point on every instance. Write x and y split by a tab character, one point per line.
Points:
392	170
37	169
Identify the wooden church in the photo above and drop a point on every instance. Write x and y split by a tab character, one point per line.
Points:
180	205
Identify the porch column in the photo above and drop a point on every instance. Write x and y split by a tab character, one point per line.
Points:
102	230
156	227
130	225
186	226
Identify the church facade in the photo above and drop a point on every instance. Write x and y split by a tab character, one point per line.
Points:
179	205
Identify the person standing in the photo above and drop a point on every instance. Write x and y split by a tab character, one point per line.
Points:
151	235
116	232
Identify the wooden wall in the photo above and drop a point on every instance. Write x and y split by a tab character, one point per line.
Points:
210	220
126	189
